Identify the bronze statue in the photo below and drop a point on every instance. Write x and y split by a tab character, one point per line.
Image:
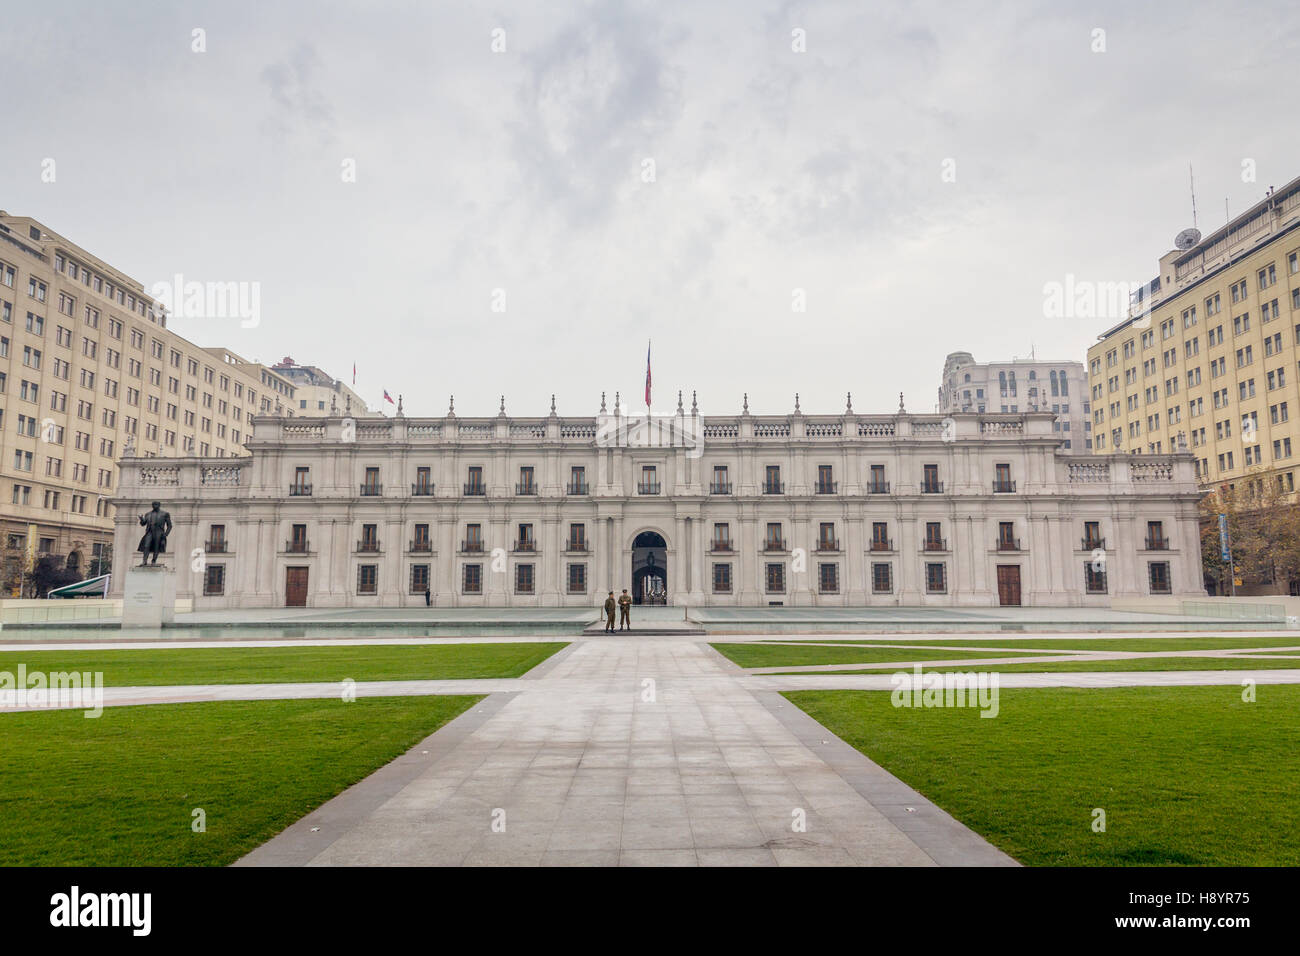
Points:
157	525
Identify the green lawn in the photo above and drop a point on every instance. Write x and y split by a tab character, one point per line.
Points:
1127	664
273	665
1102	643
1186	775
775	655
120	790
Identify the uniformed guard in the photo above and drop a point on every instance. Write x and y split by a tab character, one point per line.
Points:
609	612
625	606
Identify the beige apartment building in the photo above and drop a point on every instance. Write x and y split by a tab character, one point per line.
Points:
89	372
1209	355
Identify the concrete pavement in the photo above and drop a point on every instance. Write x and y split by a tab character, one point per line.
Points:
631	751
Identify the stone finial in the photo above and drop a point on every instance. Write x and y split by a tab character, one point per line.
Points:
451	406
679	400
901	409
602	403
695	406
349	408
796	401
334	404
848	408
503	406
745	408
399	404
552	403
616	402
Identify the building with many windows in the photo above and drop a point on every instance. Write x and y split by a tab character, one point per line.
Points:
89	372
1021	385
738	510
318	393
1210	353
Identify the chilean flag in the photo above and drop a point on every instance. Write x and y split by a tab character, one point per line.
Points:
647	374
388	398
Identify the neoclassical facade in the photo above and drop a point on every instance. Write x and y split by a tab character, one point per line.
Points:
741	510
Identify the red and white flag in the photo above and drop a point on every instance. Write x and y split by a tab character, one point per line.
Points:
388	398
647	374
354	373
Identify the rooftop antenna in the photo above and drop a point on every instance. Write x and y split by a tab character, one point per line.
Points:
1189	237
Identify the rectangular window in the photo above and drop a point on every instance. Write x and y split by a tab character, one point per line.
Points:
721	578
1158	572
1094	577
828	578
775	578
524	581
368	579
473	579
882	579
936	581
214	580
419	578
577	579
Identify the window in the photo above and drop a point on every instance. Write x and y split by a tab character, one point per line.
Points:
882	579
772	480
368	579
936	581
930	483
473	538
577	480
577	579
649	480
524	579
1094	577
721	578
419	578
775	578
472	582
214	580
828	578
526	486
825	480
774	541
420	540
1158	572
577	537
826	540
474	481
878	484
721	536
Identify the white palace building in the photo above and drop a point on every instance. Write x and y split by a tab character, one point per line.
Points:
735	510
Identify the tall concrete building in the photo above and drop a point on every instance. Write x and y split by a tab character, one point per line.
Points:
1209	352
732	510
318	393
89	372
1021	385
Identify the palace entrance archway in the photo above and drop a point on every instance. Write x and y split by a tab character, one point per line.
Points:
649	569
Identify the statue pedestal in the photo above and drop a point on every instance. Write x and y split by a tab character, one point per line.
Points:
149	596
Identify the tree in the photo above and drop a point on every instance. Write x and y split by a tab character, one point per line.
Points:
51	572
1264	531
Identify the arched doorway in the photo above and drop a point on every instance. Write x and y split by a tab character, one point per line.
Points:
649	569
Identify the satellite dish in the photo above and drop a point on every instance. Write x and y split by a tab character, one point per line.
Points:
1187	238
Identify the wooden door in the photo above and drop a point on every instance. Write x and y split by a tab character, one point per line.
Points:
295	587
1009	585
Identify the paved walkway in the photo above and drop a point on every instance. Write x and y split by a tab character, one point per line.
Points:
635	751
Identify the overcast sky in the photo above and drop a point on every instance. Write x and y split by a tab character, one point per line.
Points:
919	171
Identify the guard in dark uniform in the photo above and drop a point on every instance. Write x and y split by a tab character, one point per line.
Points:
609	612
625	606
